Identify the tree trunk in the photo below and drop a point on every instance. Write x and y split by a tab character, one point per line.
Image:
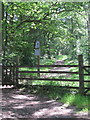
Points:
1	27
88	24
1	39
6	34
48	52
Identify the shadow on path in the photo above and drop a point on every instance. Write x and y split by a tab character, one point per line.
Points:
18	104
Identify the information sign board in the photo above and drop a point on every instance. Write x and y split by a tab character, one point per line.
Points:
37	52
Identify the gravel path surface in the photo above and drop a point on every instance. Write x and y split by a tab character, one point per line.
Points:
18	104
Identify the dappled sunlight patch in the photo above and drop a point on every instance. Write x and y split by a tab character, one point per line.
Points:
23	97
8	114
53	111
27	104
83	113
32	103
19	107
41	112
49	101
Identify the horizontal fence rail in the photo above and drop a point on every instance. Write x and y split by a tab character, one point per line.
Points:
50	79
85	66
67	72
48	72
58	72
43	66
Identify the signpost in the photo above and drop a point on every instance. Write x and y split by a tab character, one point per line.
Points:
37	53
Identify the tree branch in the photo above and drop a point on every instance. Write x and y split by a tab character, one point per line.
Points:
57	12
24	21
44	18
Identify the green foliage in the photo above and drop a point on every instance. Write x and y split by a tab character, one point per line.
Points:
58	27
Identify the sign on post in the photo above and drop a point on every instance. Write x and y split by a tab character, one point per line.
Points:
37	48
37	45
37	53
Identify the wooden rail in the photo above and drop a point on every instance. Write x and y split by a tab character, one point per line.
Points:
50	79
58	72
35	66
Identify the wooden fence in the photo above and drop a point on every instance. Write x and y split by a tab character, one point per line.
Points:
9	75
80	66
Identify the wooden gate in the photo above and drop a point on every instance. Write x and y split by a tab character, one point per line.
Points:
82	69
12	73
9	73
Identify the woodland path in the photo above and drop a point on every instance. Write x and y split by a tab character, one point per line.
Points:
17	104
58	62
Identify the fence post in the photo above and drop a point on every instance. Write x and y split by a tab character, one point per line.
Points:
38	57
81	74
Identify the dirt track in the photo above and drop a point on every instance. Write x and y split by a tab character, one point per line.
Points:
18	104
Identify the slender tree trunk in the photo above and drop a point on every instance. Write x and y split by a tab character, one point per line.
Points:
88	30
48	52
11	37
6	34
1	40
72	26
88	24
1	27
6	28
